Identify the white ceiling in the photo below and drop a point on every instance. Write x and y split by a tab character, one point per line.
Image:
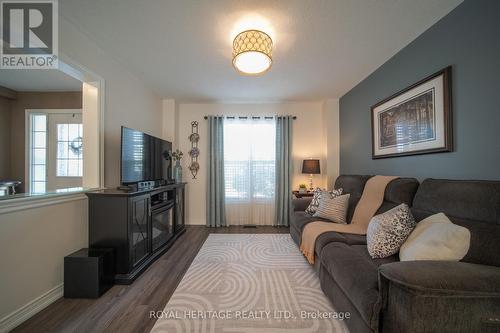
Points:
182	48
38	80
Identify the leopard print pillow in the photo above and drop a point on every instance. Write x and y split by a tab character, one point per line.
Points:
317	194
388	231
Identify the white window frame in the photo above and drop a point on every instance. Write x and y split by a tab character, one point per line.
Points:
28	152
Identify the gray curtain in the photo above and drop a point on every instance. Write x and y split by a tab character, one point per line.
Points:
284	170
216	208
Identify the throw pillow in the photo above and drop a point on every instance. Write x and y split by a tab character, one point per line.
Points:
317	194
436	238
388	231
333	209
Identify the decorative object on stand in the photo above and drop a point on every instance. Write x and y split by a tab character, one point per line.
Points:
194	152
8	187
416	120
76	145
177	156
302	188
311	167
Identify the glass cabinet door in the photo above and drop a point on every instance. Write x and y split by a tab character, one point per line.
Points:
179	200
139	228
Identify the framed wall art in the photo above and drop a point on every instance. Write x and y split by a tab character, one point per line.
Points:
416	120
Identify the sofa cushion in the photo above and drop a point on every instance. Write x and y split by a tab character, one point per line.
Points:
354	185
333	236
300	204
432	296
471	204
298	221
427	277
356	274
398	191
401	190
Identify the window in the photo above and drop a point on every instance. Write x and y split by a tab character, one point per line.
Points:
38	153
69	150
249	170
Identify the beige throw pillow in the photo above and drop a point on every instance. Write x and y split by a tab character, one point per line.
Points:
436	238
333	209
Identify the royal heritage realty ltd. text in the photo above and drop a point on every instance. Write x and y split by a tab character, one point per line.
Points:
249	315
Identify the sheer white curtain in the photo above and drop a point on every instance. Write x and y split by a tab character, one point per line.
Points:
249	170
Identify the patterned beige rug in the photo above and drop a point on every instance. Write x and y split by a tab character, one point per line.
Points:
249	283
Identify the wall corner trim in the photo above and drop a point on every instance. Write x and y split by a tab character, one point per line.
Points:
14	205
28	310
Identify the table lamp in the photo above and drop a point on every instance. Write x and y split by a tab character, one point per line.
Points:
311	167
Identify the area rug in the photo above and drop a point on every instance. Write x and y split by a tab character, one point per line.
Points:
249	283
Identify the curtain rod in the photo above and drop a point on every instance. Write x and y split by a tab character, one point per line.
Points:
252	117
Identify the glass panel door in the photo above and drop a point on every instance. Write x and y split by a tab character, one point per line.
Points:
65	155
139	228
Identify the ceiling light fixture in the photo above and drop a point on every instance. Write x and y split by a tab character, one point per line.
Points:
252	52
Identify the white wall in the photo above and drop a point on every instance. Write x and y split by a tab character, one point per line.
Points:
91	151
169	122
308	141
33	242
129	101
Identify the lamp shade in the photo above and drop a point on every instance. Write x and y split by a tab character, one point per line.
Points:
311	167
252	52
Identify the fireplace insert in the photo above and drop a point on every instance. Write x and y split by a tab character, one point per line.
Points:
162	220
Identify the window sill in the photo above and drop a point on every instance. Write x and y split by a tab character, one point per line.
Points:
29	201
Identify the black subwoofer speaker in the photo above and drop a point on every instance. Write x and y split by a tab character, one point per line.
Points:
88	273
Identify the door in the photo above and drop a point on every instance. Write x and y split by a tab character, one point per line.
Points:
65	158
139	228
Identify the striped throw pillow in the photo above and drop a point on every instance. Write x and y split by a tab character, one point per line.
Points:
333	209
318	193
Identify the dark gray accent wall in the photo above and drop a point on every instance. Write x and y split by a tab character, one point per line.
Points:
468	39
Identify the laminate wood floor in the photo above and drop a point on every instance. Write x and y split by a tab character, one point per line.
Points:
126	308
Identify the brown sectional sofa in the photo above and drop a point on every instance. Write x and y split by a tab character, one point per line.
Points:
385	295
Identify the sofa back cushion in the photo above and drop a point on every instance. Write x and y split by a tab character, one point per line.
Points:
471	204
353	185
398	191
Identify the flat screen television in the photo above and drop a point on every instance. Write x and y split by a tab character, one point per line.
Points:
144	158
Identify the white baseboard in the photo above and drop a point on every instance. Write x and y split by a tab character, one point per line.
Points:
196	222
27	311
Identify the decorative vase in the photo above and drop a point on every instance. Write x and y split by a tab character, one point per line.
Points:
178	172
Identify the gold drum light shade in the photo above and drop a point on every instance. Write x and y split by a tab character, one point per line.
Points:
252	52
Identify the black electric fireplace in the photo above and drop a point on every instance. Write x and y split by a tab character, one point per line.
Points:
162	221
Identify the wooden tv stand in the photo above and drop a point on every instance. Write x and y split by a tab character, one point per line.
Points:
139	226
